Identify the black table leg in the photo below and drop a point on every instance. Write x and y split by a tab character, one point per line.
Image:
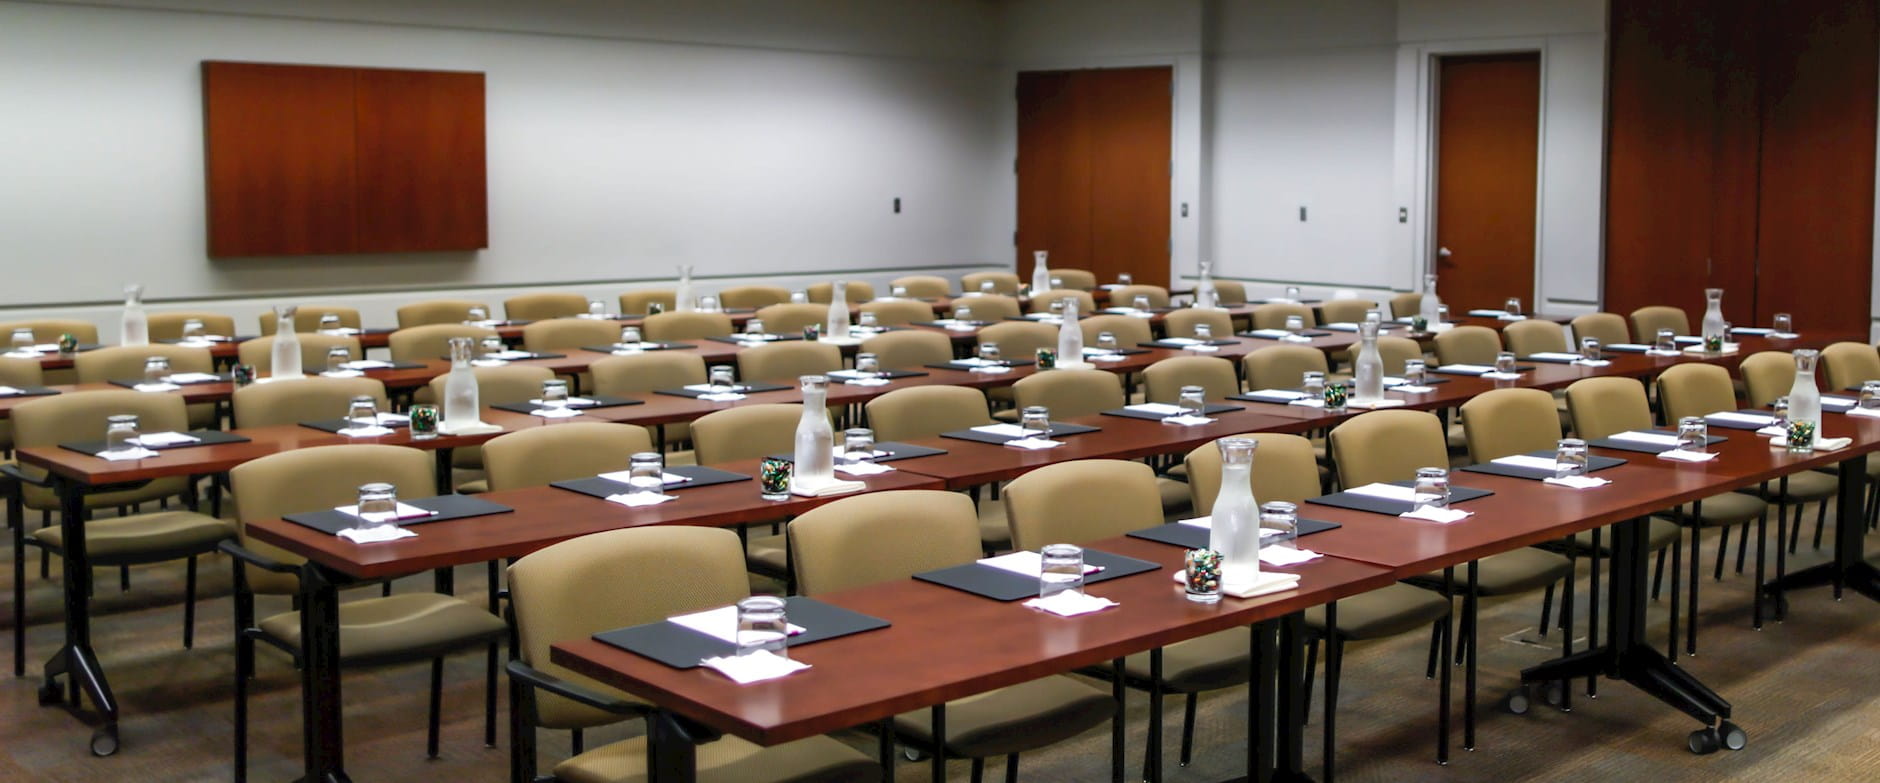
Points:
76	659
325	745
1290	697
1849	569
672	749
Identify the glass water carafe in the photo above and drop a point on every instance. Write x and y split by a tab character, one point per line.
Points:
1804	397
838	326
1368	368
1234	527
1428	306
136	325
815	439
462	408
285	360
1713	317
682	294
1040	274
1205	295
1070	343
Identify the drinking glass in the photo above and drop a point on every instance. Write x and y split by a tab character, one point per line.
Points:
722	377
988	287
1431	489
989	352
708	303
1057	307
867	363
858	445
337	357
424	418
1204	332
897	291
1870	394
329	322
962	313
1295	324
868	320
23	341
478	314
755	326
1442	314
1125	278
554	393
1589	349
763	626
1667	341
1374	316
596	309
1504	361
1105	340
1202	578
1283	517
120	432
377	498
1060	569
1139	302
491	346
1193	401
1570	458
1057	282
646	471
1312	382
1413	371
1513	307
1780	410
773	478
630	335
363	411
799	297
1693	434
1035	420
1292	293
156	368
193	330
1784	323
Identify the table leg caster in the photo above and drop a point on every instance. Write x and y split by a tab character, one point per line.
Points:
50	693
911	754
1517	701
1554	693
1703	741
1732	735
104	741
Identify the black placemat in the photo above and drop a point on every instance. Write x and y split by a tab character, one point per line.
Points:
206	438
647	346
600	401
1738	425
1211	409
740	388
132	384
1377	505
1090	352
335	425
1625	347
1594	463
886	375
999	584
532	356
683	648
740	339
893	451
1058	430
1307	333
1192	537
947	326
1180	346
595	486
1475	374
1645	448
32	391
956	365
446	506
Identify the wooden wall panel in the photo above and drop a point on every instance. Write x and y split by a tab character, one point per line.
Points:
1055	130
280	159
421	161
1130	174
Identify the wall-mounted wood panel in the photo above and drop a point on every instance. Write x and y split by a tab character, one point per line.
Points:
421	153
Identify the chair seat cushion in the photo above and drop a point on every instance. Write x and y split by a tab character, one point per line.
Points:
1386	611
1729	508
403	627
1218	660
1013	719
1804	487
1508	573
144	538
1174	493
1659	534
1009	416
729	760
477	487
768	555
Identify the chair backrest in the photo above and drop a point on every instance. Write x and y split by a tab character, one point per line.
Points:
313	349
1501	422
80	416
864	540
169	326
1393	350
557	334
1281	366
1387	445
1468	345
856	291
305	399
1081	501
909	349
897	312
126	362
641	302
988	307
438	311
1070	393
1230	292
787	361
47	330
577	588
1602	406
1346	311
745	432
790	318
1608	328
645	373
1125	296
1285	468
307	318
753	296
926	411
431	341
547	304
923	286
1766	376
1041	302
1535	335
510	383
685	326
540	455
1273	316
317	478
1181	323
1128	329
1018	339
1846	365
1406	304
1163	381
1002	282
1078	279
1694	390
21	372
1646	321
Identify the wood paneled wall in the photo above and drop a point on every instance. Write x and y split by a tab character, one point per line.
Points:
1741	156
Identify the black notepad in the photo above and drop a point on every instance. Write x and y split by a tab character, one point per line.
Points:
204	438
646	346
739	388
1058	430
597	401
1377	505
1192	537
1477	373
335	425
31	391
447	507
700	476
1593	463
888	451
1211	409
1256	336
740	339
1557	359
683	648
1001	585
1645	448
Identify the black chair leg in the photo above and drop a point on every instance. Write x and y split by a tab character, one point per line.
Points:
1436	638
979	770
1821	521
489	697
244	669
1742	542
577	742
437	698
1011	768
1312	668
1547	607
1723	546
1188	727
189	604
124	571
1658	574
1334	668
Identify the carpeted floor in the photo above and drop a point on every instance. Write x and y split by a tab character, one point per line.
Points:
1807	691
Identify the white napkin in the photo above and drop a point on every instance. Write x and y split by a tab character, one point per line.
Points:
1653	438
637	499
1105	357
1433	514
193	377
823	488
1025	562
367	364
1295	338
1071	603
1758	419
342	374
1467	368
1413	389
720	623
486	362
159	439
1507	317
866	382
1593	362
403	511
1180	341
667	479
1385	491
510	354
126	455
1488	313
960	326
1033	444
1373	404
1751	330
1821	444
1872	413
1577	482
1783	335
1187	421
1776	431
1202	348
1727	348
993	370
1269	333
753	667
156	387
1286	556
467	428
863	468
1527	461
1680	455
1501	376
1279	394
375	535
844	341
573	402
1555	355
1156	408
1305	402
22	354
555	413
1629	347
1838	404
373	431
10	390
341	330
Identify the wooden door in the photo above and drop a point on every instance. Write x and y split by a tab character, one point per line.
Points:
1487	140
1094	163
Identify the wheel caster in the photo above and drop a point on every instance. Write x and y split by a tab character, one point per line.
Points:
1554	694
1732	735
50	693
104	742
1703	741
1516	702
912	755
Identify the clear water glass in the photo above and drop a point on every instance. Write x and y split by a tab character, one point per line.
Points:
1105	340
708	303
329	322
799	297
1057	307
646	473
156	368
1140	302
1295	324
1442	313
1193	401
1870	394
362	411
858	445
337	357
1035	420
1125	278
1414	371
867	319
630	335
478	314
554	393
1784	323
1312	382
989	352
867	363
1282	517
962	313
1693	434
1204	332
1292	292
23	341
1504	361
1569	458
1431	489
763	626
378	498
596	309
1060	569
193	329
722	377
1667	341
1057	282
897	291
1779	409
490	346
120	432
754	326
1513	307
1589	349
988	287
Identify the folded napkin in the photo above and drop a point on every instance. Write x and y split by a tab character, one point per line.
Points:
341	330
1467	368
1071	603
1278	394
9	390
403	511
1187	421
721	397
467	428
960	326
1656	352
488	362
1033	444
1577	482
1527	461
822	488
1410	388
1433	514
1295	338
1783	335
370	431
1025	563
992	370
1106	357
1593	362
160	439
1269	333
23	354
1509	317
667	479
637	499
1561	356
1006	430
125	455
1501	376
156	387
1638	347
866	382
1286	556
1373	404
1872	413
1759	330
1680	455
1385	491
375	535
193	377
753	667
1180	341
844	341
555	413
1775	431
1821	444
1727	348
863	468
1064	364
1202	348
1488	313
367	364
573	402
510	355
342	374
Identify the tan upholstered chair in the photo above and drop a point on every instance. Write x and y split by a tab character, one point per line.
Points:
923	286
495	386
431	342
126	363
1163	381
646	373
1846	365
897	312
864	540
753	296
305	399
787	361
1125	296
1406	304
313	349
401	628
80	416
1766	376
1070	393
563	334
1286	470
745	432
791	318
169	326
909	349
438	311
685	326
1081	501
1230	292
1534	335
1273	316
548	304
1019	340
1345	311
575	589
1504	422
579	449
926	411
1086	304
1181	323
1393	350
1002	282
20	374
1075	279
641	302
1468	345
1608	328
1128	329
987	307
1646	321
1281	366
856	291
307	318
47	330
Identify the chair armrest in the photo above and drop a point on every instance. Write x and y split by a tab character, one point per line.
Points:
14	472
539	679
239	552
